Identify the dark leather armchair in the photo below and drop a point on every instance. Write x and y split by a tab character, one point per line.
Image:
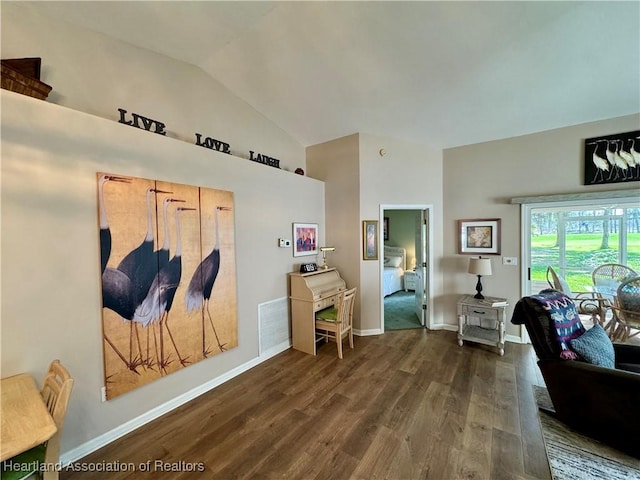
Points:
603	403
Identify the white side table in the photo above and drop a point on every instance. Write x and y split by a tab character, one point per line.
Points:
492	319
409	280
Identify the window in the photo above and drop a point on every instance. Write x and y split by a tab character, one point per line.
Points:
574	237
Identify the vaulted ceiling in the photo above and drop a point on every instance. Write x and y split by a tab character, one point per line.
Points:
442	74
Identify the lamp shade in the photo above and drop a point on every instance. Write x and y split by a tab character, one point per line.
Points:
480	266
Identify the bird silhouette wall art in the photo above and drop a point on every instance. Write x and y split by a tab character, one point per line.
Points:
167	259
612	158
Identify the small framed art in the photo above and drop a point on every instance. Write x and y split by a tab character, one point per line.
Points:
385	229
369	239
479	236
305	239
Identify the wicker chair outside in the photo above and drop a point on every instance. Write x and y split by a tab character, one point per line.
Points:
606	280
607	277
627	310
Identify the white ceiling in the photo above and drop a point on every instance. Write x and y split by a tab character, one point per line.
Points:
442	74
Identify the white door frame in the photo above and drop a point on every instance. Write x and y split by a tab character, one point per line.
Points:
429	280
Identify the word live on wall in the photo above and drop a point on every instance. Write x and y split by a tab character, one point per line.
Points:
154	126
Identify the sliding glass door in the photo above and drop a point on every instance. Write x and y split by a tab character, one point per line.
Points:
574	237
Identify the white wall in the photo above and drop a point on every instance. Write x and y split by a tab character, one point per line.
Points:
384	181
336	163
481	179
381	180
94	73
51	304
50	154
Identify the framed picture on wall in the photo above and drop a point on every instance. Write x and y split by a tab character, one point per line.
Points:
611	158
479	236
305	239
369	239
385	229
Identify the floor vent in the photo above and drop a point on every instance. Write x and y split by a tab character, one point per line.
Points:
273	326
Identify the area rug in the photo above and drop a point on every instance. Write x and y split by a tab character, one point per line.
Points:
399	311
574	456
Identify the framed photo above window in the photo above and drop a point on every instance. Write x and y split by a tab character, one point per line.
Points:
611	159
479	236
369	239
305	239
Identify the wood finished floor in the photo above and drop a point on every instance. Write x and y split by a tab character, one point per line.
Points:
407	404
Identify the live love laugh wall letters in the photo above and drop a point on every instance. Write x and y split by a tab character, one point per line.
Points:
154	126
612	159
168	277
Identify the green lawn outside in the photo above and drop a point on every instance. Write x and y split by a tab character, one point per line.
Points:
583	254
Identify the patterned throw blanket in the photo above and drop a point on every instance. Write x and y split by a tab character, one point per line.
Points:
564	315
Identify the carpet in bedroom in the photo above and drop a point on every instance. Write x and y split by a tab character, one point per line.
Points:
399	311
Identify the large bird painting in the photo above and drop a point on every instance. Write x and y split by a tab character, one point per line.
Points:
167	257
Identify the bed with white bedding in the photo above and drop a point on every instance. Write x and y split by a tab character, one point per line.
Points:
395	263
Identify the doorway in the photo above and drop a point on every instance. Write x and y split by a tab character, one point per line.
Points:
408	227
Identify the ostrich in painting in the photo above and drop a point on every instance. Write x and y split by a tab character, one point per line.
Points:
201	284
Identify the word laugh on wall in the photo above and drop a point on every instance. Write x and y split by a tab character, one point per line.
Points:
154	126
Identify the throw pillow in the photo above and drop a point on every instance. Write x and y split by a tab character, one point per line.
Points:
595	347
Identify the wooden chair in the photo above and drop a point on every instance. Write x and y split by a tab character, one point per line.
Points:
334	323
55	392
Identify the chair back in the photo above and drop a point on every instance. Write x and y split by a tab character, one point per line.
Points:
558	282
608	277
345	309
56	392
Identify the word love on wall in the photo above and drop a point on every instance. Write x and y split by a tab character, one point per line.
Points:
150	125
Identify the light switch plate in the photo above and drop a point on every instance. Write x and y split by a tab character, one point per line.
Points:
510	261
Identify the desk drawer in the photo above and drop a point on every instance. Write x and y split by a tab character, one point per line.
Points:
324	303
480	312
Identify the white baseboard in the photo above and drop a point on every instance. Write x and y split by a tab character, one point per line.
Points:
86	448
367	333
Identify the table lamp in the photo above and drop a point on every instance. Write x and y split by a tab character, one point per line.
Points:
479	266
324	251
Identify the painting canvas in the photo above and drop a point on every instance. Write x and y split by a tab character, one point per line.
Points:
479	236
612	158
370	240
305	239
168	277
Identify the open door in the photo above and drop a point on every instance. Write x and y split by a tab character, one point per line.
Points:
422	256
418	230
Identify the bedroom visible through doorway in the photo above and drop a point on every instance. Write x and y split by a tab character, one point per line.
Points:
405	267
